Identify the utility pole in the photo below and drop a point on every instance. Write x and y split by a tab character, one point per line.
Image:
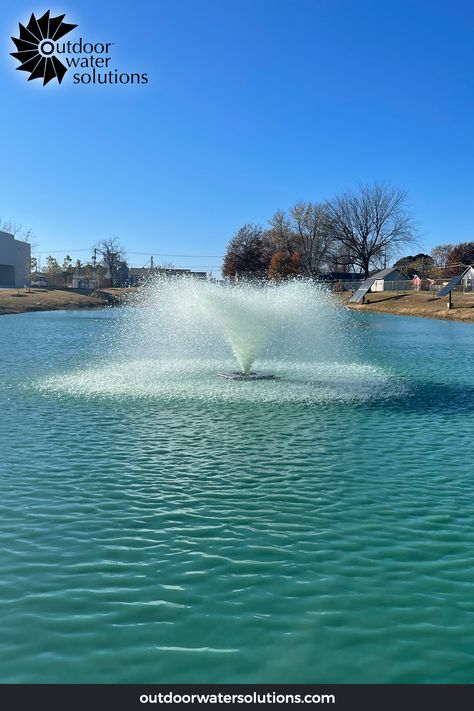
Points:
94	265
152	265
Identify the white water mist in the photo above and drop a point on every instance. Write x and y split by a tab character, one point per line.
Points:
176	335
190	318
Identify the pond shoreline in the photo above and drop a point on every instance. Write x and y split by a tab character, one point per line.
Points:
418	304
18	301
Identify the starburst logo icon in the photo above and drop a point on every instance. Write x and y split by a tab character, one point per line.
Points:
36	47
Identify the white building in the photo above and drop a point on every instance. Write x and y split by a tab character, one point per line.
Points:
39	280
467	280
82	282
391	279
14	261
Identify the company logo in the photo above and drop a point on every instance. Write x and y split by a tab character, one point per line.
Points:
36	47
43	56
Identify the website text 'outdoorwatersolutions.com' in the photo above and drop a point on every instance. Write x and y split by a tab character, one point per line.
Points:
255	697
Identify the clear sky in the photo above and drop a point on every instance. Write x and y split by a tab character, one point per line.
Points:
251	106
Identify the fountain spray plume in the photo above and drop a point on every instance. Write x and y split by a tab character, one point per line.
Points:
177	334
180	316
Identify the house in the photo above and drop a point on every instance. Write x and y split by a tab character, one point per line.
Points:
467	280
38	280
14	261
391	279
120	274
82	282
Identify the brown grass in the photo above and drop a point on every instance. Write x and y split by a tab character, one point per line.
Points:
418	303
422	304
15	301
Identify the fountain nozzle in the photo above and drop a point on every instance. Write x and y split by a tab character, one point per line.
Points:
251	375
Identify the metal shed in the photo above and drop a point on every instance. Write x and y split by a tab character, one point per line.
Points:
391	279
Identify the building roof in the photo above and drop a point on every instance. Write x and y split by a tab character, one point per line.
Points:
134	271
384	273
346	276
171	271
9	238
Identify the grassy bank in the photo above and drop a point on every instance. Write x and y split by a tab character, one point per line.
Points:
421	304
16	301
418	303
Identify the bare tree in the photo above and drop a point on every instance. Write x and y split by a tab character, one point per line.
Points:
440	254
372	223
25	234
112	254
304	233
281	233
13	228
340	259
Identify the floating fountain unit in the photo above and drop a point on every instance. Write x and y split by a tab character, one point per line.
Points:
237	375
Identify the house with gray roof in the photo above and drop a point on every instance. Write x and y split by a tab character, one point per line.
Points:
391	279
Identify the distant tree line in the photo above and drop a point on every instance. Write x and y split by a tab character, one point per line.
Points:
108	266
444	261
60	274
356	231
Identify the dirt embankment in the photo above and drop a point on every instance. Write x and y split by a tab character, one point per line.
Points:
16	301
419	304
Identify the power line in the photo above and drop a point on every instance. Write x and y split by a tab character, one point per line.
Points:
141	254
187	256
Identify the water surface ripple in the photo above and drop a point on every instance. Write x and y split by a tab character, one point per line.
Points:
261	539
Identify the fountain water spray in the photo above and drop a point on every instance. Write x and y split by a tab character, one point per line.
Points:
177	334
251	319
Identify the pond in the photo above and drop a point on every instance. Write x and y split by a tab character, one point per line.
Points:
319	528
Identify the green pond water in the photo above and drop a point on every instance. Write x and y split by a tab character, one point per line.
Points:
174	528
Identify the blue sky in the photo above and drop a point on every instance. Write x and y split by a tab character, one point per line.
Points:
251	106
